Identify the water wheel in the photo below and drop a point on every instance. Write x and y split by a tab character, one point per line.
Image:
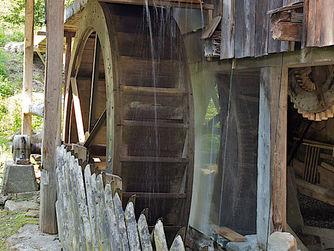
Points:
311	90
130	103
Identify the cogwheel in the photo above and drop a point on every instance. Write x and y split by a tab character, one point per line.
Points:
304	80
311	89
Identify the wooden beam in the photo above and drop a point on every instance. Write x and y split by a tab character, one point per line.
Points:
95	79
229	234
52	114
77	111
316	192
28	66
271	193
163	3
286	31
96	128
263	224
279	108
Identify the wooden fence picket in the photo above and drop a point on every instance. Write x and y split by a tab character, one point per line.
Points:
89	217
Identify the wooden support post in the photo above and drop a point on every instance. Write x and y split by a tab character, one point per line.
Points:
271	194
279	110
52	114
28	66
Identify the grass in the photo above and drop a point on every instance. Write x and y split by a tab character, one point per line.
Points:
11	222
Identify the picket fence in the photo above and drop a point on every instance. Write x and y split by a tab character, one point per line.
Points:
89	217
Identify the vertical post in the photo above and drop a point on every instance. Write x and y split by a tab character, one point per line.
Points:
52	113
28	66
279	110
271	194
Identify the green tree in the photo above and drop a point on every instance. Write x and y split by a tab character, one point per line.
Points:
15	13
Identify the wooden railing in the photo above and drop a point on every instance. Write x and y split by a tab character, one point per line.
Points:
90	217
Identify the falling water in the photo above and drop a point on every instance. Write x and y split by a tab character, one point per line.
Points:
154	79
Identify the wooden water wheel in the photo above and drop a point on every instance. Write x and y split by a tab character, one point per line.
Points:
133	111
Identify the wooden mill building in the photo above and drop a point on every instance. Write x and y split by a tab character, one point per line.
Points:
204	109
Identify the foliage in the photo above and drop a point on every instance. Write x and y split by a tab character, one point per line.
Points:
3	61
10	35
15	13
6	88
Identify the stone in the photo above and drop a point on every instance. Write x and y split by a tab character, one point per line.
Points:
19	178
37	109
20	205
249	245
282	241
3	199
33	213
14	47
30	238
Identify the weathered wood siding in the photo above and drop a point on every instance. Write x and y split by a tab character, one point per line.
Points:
90	217
320	20
246	29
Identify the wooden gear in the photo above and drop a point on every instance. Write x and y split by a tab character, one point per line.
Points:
311	89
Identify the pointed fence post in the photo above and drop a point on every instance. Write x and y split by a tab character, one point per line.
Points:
52	114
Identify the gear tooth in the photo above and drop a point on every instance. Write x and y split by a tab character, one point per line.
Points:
304	114
329	113
323	115
295	106
317	117
312	116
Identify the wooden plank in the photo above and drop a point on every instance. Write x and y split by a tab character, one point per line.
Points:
327	18
261	26
151	91
97	126
153	159
177	4
326	178
316	192
77	111
177	244
103	223
155	195
131	226
111	218
327	166
279	99
244	28
28	66
274	45
212	27
160	124
159	237
287	31
52	114
121	222
229	234
291	6
95	79
263	162
91	207
144	234
227	28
